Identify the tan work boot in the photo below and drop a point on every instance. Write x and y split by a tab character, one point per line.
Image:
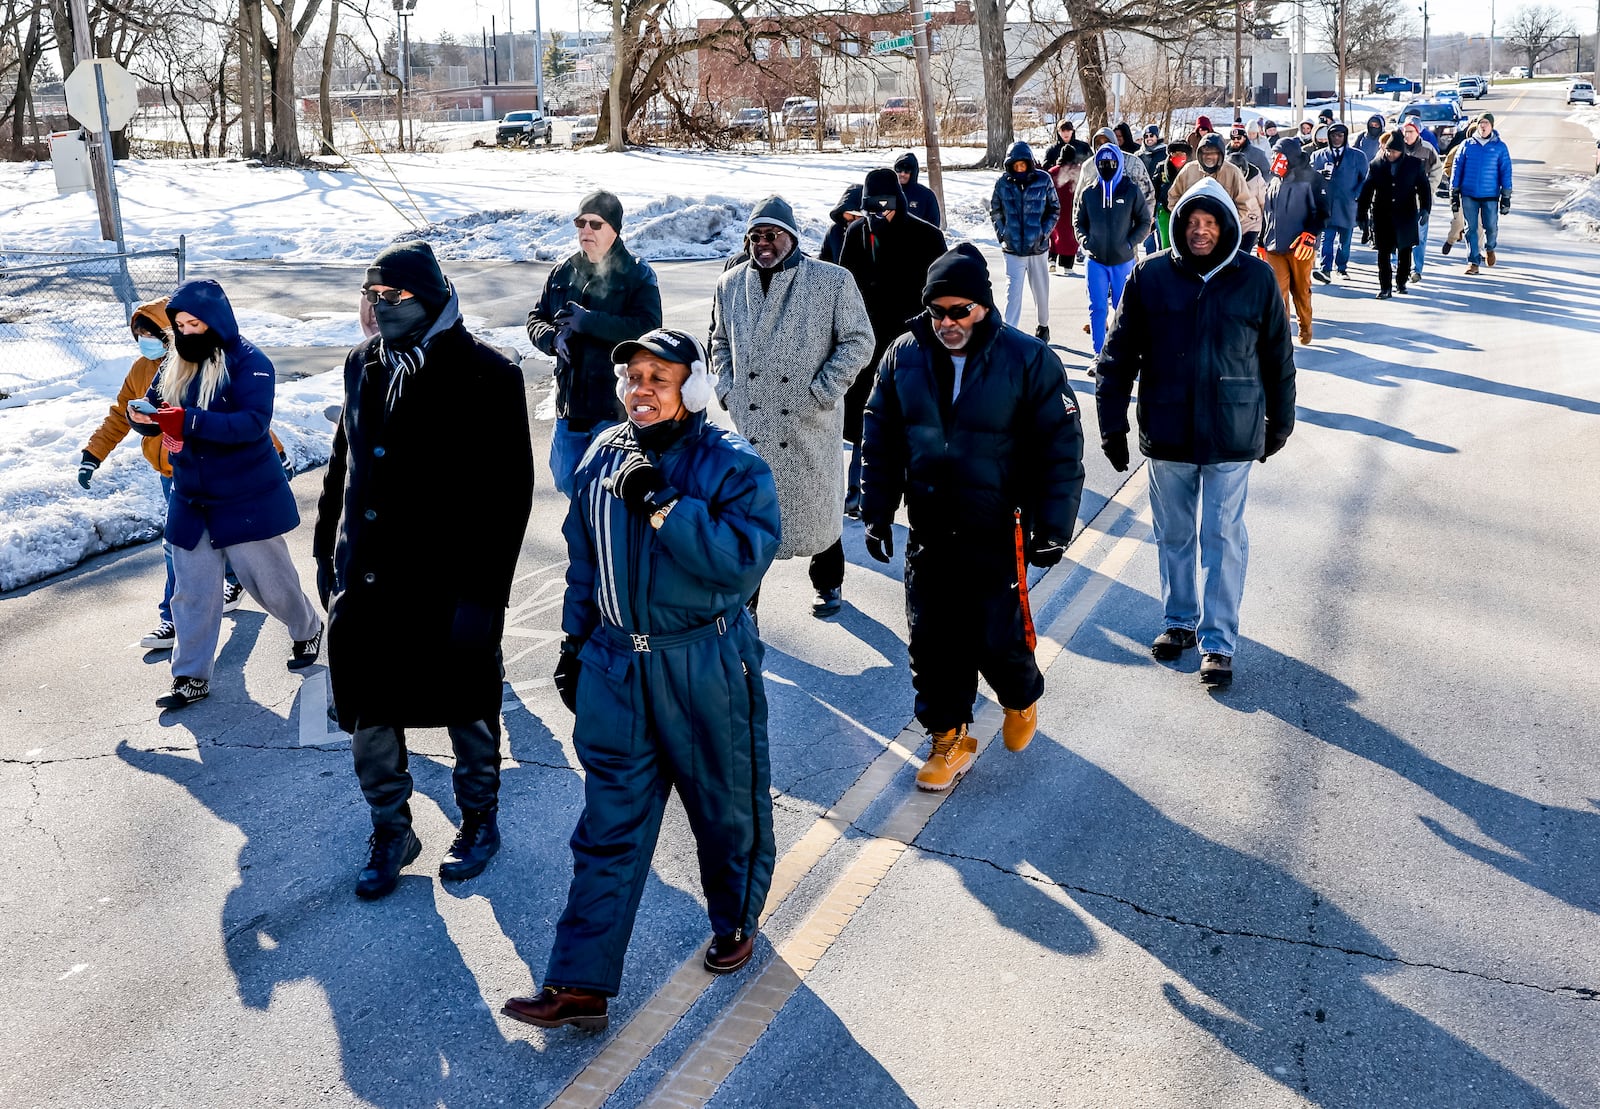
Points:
950	758
1017	731
1488	256
1472	268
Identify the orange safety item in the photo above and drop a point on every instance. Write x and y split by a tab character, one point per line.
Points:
1028	634
1305	247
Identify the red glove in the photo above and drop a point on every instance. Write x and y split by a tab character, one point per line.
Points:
1305	247
170	420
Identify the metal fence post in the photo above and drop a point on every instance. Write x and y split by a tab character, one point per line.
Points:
183	257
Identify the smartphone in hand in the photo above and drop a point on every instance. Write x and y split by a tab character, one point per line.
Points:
143	407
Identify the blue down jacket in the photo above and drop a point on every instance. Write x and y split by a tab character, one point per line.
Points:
1024	210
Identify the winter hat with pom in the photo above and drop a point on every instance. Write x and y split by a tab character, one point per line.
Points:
674	346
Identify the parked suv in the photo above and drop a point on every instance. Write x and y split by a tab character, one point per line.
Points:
523	129
1580	92
1475	87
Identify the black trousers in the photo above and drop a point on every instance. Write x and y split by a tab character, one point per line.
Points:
1386	271
381	767
966	620
827	572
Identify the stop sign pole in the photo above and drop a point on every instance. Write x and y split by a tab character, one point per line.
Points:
105	185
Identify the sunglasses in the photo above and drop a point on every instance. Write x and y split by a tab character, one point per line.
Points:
763	236
388	296
957	313
592	224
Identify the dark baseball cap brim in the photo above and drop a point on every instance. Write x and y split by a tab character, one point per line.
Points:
674	346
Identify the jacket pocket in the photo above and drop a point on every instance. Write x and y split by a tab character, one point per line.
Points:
1241	415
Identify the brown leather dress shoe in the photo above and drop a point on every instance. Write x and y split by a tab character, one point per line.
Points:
555	1006
729	953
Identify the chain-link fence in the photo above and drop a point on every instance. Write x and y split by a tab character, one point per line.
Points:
62	313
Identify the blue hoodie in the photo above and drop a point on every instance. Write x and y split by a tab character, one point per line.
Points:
1024	209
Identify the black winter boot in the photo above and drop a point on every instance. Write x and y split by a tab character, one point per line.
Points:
392	850
474	846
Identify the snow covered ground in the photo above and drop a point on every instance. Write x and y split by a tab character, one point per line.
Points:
1580	212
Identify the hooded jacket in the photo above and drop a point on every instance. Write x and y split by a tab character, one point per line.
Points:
849	201
115	427
1344	171
623	302
889	260
1024	210
1132	168
1482	168
920	200
1370	141
227	480
1152	157
1112	217
1296	202
1207	341
1228	175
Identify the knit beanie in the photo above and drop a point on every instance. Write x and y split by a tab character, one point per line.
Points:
774	211
605	205
1396	141
411	266
1203	123
961	272
1488	116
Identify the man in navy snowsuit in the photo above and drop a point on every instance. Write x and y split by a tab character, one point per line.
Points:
672	525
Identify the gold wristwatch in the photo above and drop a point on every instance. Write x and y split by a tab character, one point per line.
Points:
659	516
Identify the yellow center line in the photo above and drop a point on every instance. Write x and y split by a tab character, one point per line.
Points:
623	1053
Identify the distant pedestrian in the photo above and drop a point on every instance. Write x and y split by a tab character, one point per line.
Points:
1343	172
1202	128
1241	154
230	500
1480	186
1125	140
1370	141
921	201
1242	144
1216	393
1433	167
844	213
1178	155
672	524
1063	239
1024	208
1296	212
991	485
602	295
1112	221
790	336
1152	151
1395	195
1066	135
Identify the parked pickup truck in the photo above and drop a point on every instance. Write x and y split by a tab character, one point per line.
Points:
1392	83
523	129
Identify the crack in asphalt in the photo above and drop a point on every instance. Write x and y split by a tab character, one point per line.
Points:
1576	993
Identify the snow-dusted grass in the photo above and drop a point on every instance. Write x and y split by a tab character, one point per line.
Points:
1580	212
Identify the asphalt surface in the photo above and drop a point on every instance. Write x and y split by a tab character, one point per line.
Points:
1365	876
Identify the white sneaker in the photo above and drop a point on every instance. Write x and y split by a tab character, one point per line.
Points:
232	595
162	638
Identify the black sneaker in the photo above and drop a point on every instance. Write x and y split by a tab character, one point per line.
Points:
161	638
392	850
474	846
232	595
185	691
1445	249
1172	643
1042	332
1216	671
1384	294
1344	273
306	651
1322	276
1401	289
828	603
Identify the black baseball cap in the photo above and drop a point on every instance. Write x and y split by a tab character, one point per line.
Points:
674	346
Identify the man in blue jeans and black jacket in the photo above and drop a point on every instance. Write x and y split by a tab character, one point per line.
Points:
1216	393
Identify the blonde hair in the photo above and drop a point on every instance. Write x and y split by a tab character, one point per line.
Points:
177	373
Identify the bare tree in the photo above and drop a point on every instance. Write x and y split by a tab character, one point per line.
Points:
1538	31
1376	33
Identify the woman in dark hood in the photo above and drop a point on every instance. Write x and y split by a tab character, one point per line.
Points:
1125	141
844	213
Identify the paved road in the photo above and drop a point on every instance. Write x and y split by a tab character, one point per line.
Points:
1364	877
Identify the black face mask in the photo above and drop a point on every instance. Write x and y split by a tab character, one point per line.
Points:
400	321
661	435
195	348
1106	168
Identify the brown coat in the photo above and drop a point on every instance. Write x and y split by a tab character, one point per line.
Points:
1231	178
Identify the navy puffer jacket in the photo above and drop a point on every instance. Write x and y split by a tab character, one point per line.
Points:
1024	209
1296	202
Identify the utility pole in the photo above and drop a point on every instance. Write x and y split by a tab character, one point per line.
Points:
930	118
1490	74
1424	47
511	35
1594	61
1344	108
538	55
99	141
1299	63
1238	61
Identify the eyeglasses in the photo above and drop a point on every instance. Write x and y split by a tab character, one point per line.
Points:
388	296
592	224
770	236
957	313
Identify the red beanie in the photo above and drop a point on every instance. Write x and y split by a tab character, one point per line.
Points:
1203	123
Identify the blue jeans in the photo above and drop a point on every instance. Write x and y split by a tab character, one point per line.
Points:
567	449
1105	288
1199	517
1336	249
166	552
1420	251
1486	209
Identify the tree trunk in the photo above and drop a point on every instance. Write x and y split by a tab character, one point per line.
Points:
247	87
997	89
621	65
323	102
285	122
1092	78
258	92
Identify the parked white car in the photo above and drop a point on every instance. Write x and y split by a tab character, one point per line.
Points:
583	130
1580	92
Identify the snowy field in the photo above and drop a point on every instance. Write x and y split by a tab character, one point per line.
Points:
1580	212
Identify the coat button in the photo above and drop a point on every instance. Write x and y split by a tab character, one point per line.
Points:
370	578
783	411
784	380
752	408
377	452
752	377
370	514
785	446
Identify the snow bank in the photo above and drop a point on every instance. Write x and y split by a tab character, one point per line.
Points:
1580	212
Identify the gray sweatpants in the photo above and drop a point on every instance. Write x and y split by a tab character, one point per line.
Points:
267	573
1036	268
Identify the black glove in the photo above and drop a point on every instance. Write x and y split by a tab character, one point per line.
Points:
86	469
880	541
566	677
1455	200
1115	448
1045	552
1275	442
571	318
1505	204
473	626
327	585
636	482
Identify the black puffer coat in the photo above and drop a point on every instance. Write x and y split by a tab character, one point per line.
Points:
1011	440
623	302
1394	195
425	529
1208	342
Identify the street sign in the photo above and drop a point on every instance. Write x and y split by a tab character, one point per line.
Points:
83	98
889	46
